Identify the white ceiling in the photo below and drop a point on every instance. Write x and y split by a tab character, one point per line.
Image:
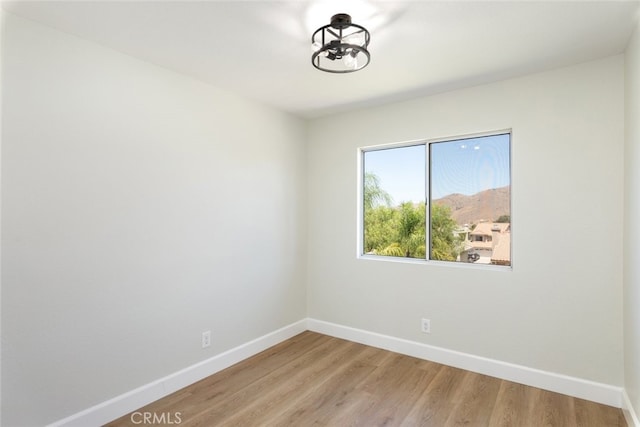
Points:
261	49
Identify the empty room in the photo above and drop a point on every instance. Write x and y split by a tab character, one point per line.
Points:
332	213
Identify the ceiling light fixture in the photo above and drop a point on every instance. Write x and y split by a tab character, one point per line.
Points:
340	47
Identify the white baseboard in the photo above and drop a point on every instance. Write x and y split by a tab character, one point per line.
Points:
132	400
572	386
135	399
629	412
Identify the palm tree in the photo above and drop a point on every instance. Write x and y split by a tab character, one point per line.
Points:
374	195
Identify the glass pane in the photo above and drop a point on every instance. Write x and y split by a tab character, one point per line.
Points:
471	200
393	205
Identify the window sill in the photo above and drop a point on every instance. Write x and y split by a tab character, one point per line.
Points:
450	264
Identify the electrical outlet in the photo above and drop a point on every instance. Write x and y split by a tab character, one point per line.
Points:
206	339
426	326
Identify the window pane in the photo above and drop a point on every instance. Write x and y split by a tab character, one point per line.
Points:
393	202
470	188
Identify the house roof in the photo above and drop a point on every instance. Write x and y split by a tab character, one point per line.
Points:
502	250
500	242
487	228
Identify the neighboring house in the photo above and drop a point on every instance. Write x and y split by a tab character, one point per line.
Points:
488	243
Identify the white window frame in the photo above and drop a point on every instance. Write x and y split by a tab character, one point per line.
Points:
427	142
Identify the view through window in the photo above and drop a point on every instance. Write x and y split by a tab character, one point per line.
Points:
444	200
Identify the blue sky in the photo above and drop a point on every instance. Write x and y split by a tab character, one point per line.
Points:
464	166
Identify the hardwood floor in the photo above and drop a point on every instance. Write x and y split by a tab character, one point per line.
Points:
316	380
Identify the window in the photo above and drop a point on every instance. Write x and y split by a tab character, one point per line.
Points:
446	200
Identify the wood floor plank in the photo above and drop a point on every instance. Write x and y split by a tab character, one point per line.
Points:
316	380
511	408
551	409
281	387
591	413
321	404
295	394
438	400
398	383
476	400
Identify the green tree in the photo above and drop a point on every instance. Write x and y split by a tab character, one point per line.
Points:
398	231
504	218
401	230
411	229
378	214
379	228
445	243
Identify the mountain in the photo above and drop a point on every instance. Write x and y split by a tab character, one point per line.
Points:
487	205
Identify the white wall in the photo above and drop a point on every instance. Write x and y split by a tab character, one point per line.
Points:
140	208
631	225
560	309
